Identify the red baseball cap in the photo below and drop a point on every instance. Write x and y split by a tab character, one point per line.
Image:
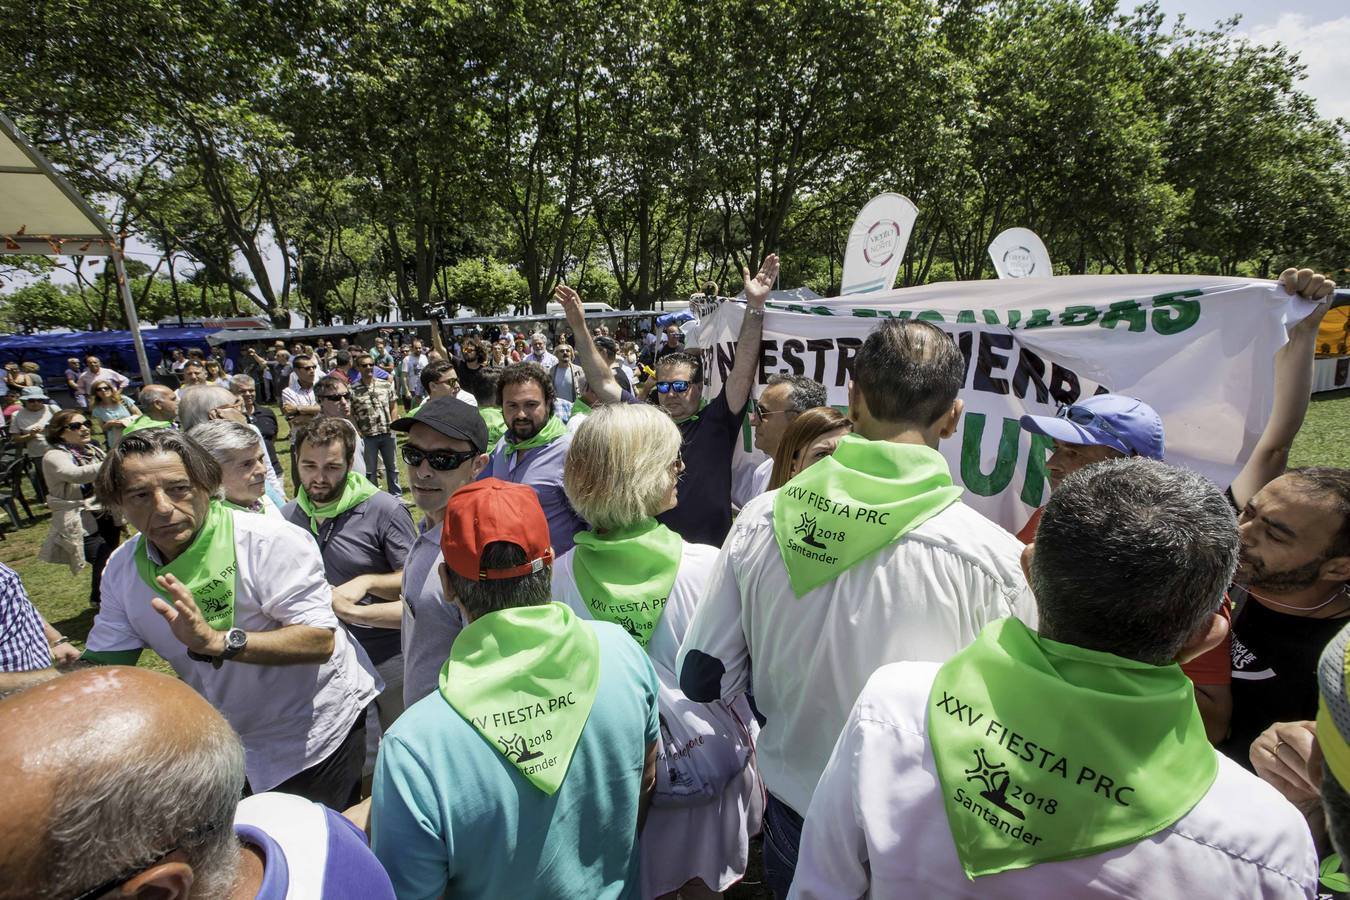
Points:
494	510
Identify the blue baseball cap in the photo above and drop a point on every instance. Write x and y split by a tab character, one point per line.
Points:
1106	420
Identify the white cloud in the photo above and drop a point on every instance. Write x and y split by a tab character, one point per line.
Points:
1321	48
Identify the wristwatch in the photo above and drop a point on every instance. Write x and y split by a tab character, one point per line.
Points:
236	639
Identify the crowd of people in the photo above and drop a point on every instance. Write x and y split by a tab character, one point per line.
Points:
603	661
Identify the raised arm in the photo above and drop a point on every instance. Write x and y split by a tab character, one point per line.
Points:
1293	388
599	377
742	375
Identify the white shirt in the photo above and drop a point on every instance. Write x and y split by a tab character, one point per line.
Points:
806	658
289	717
299	396
749	480
466	397
877	826
413	364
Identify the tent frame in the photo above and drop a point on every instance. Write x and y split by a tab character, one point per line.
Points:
100	243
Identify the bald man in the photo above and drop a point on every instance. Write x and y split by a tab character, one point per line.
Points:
159	407
143	800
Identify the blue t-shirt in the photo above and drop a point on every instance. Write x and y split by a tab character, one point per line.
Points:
542	469
451	815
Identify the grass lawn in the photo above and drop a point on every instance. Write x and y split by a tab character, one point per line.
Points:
63	598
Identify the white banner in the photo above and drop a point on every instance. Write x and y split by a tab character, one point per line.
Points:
1199	349
1020	253
877	243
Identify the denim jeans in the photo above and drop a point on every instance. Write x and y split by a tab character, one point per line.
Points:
782	839
383	445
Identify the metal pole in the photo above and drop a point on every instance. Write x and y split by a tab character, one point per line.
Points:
132	322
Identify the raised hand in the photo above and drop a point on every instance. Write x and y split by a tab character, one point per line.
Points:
572	309
1307	284
185	620
757	288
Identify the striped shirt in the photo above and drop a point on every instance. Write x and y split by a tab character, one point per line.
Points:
23	643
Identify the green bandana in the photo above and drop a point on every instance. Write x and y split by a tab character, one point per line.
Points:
1046	751
625	575
848	506
496	424
702	404
206	568
355	491
581	408
525	679
142	422
552	430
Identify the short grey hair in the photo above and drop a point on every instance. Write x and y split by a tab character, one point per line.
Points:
544	337
807	393
619	467
1132	557
482	597
221	436
130	811
198	401
241	382
152	393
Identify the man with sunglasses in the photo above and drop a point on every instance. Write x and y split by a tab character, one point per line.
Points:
372	401
335	401
446	449
298	403
710	429
782	400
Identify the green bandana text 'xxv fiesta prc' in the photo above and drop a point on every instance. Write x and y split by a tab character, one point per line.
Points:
848	506
552	430
625	575
206	568
356	490
525	679
1047	751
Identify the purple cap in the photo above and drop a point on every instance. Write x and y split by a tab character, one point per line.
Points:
1106	420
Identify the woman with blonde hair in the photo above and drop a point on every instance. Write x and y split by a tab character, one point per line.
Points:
81	530
811	437
622	470
112	412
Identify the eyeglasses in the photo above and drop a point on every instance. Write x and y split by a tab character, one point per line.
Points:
75	426
440	460
1078	415
337	398
679	387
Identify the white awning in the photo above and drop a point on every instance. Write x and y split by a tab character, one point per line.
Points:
40	213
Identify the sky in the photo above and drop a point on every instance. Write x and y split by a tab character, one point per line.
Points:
1319	30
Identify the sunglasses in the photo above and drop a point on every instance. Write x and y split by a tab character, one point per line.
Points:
74	426
760	412
305	368
336	398
1088	419
679	387
440	460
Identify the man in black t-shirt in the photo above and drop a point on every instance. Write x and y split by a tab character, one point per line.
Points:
1295	569
703	514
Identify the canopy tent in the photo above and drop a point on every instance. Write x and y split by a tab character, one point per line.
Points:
42	215
1333	337
115	349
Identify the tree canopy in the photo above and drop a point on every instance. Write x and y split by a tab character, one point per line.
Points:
476	152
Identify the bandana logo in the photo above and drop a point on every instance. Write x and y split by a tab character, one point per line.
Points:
807	529
517	750
995	778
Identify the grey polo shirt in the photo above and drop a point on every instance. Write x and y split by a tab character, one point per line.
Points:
430	624
541	468
373	537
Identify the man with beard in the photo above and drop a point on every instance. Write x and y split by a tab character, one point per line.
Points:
446	449
364	535
534	447
1292	596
